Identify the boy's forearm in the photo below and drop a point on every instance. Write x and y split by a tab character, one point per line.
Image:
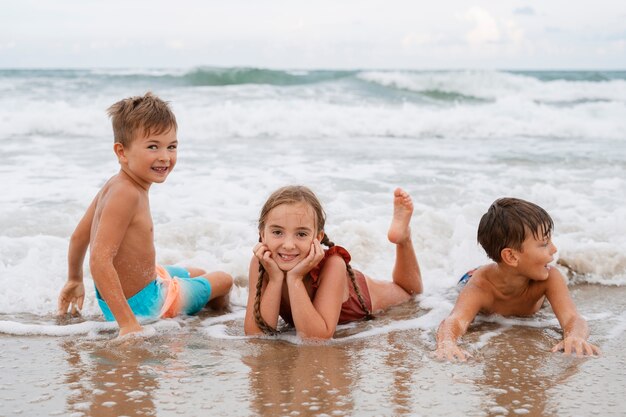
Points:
109	286
449	332
577	327
76	256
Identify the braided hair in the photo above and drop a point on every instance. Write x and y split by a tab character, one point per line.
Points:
291	195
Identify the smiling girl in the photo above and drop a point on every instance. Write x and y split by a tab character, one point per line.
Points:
313	289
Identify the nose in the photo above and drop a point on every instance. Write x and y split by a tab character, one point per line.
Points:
164	156
553	248
288	243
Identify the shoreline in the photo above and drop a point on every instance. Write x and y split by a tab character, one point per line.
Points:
185	371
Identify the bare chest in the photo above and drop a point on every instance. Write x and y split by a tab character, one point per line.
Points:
525	304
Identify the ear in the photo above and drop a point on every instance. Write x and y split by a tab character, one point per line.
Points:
320	236
509	256
261	236
118	148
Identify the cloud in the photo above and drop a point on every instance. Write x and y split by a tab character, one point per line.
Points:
527	10
485	28
175	44
488	29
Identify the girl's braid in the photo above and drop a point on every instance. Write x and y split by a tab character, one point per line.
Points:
368	314
260	322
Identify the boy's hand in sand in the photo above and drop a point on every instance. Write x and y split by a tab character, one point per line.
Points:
71	298
451	352
130	336
263	254
127	330
315	256
576	345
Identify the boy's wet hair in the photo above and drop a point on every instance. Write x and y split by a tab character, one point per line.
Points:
507	224
147	112
293	194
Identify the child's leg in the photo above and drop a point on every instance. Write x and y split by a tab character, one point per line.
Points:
407	279
221	283
406	271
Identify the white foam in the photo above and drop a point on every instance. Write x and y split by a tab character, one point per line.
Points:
619	328
89	328
239	143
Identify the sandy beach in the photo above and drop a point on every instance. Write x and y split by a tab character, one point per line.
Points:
185	371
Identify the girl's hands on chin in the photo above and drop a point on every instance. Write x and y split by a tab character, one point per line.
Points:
315	256
263	254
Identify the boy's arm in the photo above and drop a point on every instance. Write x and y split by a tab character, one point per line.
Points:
117	213
73	293
575	330
468	304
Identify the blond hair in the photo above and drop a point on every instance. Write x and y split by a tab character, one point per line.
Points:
147	114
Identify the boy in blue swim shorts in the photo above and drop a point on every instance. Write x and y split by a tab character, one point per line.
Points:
166	296
118	228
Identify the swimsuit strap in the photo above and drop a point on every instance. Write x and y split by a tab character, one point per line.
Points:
335	250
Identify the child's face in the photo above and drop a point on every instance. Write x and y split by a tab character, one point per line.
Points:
535	256
151	158
288	233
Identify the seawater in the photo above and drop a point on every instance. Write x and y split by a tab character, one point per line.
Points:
455	140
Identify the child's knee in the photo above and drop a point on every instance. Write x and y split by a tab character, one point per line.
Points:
221	283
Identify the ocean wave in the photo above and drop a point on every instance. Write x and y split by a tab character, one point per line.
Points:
491	86
240	76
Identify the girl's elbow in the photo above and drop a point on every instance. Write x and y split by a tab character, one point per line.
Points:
249	330
250	327
323	335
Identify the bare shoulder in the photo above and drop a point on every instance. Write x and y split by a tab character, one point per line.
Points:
479	291
123	187
333	265
555	282
120	192
335	260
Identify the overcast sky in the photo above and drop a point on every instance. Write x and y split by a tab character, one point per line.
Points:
434	34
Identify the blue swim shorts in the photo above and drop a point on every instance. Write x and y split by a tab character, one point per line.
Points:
465	278
193	294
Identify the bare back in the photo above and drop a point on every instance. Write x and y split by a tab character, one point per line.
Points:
134	261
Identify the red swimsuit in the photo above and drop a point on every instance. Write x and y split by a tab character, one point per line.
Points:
351	309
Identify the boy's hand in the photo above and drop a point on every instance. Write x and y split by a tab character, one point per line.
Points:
128	337
263	254
72	297
451	352
578	345
131	328
315	256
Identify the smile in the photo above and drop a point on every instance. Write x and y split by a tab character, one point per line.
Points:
286	257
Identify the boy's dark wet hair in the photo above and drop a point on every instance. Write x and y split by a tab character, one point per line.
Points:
147	112
507	224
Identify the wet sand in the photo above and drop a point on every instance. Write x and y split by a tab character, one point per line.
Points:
186	372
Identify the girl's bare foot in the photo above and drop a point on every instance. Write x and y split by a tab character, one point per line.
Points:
399	231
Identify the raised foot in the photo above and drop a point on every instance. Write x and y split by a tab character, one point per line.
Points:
399	231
